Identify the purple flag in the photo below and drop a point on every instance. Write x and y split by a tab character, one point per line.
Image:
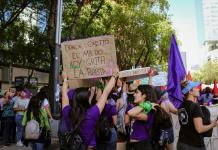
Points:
176	73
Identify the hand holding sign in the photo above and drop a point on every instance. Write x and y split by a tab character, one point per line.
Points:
150	72
134	74
64	75
115	72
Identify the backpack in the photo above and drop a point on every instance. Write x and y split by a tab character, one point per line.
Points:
69	139
206	121
103	131
159	135
32	130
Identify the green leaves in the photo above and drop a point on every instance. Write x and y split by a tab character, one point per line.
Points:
23	43
207	73
142	29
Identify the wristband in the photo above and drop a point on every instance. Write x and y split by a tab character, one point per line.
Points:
146	106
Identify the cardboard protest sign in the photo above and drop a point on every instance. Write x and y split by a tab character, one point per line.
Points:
157	80
134	74
75	83
89	58
160	79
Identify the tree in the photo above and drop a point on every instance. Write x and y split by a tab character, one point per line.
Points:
143	34
207	73
10	10
142	30
23	42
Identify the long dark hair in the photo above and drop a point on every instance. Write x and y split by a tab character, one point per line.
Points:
34	107
43	93
148	90
79	104
161	122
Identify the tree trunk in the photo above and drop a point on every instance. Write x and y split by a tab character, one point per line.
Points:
30	76
51	42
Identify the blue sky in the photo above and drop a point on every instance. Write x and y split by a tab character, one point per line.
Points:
186	16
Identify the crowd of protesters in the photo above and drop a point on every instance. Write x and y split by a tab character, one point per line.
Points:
19	107
139	115
209	96
112	111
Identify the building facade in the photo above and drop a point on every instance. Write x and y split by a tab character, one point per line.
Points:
210	18
9	74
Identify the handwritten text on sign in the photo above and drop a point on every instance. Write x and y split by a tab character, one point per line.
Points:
89	58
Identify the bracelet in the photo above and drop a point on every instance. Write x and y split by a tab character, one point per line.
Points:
146	106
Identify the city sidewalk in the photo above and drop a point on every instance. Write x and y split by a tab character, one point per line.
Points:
54	146
210	145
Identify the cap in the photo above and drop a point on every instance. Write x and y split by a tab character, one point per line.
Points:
190	85
132	88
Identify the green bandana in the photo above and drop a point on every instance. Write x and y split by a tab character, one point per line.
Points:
146	106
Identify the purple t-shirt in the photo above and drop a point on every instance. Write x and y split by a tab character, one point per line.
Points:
110	110
88	125
140	129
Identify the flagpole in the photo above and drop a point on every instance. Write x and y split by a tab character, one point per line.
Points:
57	59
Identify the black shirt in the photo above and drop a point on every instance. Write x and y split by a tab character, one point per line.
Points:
215	99
187	134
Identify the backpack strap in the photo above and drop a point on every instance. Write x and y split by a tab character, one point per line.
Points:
121	108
